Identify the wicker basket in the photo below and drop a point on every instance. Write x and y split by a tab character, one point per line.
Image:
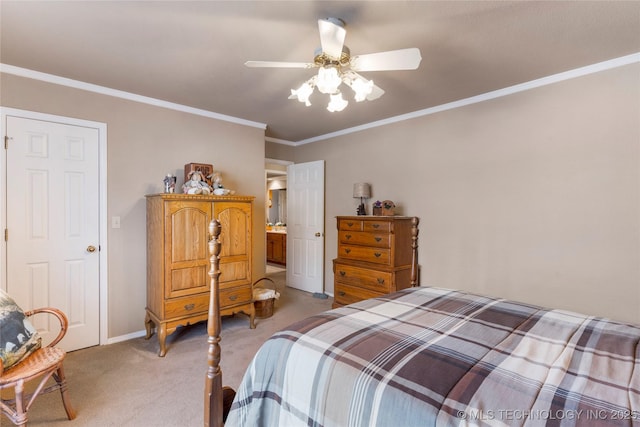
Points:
264	299
264	308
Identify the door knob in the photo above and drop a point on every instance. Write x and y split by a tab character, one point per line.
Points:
91	248
318	234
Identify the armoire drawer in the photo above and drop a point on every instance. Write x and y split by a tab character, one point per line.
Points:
186	306
375	280
233	296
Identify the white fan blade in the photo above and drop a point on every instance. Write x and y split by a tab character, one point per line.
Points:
402	59
375	93
275	64
332	34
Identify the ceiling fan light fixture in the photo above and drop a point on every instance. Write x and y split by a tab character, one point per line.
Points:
328	80
303	93
337	103
336	66
362	88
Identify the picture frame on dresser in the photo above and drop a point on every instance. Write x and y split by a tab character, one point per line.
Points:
204	168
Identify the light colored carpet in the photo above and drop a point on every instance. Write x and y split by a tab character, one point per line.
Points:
127	384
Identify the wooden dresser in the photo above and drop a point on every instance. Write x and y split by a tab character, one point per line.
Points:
377	255
178	260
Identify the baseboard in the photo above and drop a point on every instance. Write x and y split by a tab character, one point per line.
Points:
127	337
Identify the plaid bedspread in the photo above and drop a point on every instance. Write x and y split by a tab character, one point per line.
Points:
439	357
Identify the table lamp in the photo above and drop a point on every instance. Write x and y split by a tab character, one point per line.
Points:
363	191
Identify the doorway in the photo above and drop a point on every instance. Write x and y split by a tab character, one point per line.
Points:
302	232
276	215
54	251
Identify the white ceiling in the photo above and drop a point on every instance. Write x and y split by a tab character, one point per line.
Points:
193	53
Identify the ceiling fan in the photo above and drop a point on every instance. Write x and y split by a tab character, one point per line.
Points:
336	65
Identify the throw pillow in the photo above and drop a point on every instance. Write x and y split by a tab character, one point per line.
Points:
18	337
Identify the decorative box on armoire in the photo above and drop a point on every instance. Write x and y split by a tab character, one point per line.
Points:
178	259
377	255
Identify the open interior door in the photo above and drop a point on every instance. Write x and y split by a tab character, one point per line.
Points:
305	226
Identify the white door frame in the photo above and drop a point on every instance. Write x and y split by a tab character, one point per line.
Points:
102	176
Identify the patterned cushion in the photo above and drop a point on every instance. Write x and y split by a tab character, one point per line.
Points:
18	337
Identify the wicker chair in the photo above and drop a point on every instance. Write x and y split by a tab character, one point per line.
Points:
41	364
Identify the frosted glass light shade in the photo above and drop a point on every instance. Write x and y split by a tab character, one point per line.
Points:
328	80
362	88
302	93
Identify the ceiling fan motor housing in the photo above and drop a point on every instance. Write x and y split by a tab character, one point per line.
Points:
321	59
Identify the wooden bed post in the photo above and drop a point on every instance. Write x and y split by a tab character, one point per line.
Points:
414	251
213	409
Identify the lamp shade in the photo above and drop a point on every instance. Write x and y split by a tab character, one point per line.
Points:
361	189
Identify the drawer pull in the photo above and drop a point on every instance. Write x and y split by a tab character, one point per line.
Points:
375	225
378	239
341	293
348	236
189	307
343	273
347	250
233	297
350	224
377	254
380	281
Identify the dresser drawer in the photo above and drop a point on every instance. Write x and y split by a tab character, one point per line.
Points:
375	280
376	226
345	294
234	296
364	253
186	306
350	224
379	240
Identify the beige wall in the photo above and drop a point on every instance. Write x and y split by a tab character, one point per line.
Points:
279	151
534	196
144	144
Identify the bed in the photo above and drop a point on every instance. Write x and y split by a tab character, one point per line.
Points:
430	356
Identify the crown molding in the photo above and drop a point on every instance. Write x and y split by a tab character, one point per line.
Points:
280	141
63	81
555	78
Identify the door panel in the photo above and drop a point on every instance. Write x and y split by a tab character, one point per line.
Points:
235	242
305	226
53	224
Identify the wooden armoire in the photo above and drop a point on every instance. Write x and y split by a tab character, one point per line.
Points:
178	260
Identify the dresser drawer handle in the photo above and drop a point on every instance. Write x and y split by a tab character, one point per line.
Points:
375	225
377	254
189	307
378	239
343	273
380	281
347	250
341	293
348	236
350	224
233	297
